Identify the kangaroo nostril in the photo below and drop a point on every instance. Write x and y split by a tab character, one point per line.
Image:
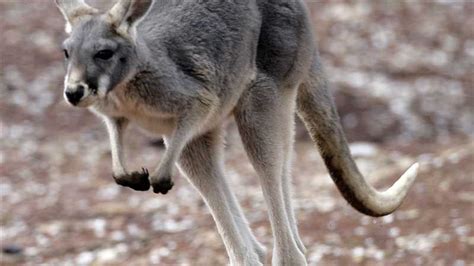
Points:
80	88
75	96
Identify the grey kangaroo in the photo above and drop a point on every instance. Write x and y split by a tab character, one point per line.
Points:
180	68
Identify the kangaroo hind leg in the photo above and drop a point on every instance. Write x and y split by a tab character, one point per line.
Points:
202	163
260	117
289	100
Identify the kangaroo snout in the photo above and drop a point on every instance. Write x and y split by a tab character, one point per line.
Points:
75	93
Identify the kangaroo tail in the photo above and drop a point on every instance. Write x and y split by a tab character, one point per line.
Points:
317	110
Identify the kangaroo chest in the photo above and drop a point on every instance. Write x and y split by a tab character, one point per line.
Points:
152	122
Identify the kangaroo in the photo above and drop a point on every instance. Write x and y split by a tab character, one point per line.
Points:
180	68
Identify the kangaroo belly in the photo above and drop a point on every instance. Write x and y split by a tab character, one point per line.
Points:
154	125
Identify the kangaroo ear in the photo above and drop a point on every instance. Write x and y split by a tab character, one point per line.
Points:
127	13
73	10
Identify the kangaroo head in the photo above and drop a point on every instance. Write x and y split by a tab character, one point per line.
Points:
100	50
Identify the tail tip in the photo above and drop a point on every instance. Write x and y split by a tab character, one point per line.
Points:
414	168
412	172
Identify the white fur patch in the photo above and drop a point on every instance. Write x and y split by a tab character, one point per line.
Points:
73	79
68	28
87	90
66	80
104	83
75	75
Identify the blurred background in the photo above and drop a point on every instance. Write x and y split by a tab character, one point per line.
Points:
402	74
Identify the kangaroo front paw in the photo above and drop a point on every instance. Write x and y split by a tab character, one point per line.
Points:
136	180
162	185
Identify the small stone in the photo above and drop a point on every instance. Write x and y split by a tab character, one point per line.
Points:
379	255
408	214
51	229
360	231
12	249
394	232
358	254
463	230
454	158
85	258
117	235
107	255
5	189
438	162
109	192
363	149
31	251
99	226
135	231
388	219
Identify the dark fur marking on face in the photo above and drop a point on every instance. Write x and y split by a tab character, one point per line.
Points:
92	83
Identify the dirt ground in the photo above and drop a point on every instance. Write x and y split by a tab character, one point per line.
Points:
402	75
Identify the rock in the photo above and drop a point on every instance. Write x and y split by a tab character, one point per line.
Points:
51	229
388	219
358	254
107	255
85	258
12	249
363	149
99	226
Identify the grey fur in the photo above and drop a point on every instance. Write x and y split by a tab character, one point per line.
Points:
180	68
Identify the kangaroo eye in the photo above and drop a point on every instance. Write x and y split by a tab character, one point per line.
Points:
66	54
104	54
